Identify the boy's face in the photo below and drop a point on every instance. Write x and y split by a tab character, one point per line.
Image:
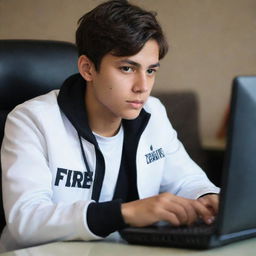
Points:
122	85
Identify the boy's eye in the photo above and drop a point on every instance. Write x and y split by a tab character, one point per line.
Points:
151	71
127	69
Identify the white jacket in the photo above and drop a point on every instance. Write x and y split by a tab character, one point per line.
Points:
46	190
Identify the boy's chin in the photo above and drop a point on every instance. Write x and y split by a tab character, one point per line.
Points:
131	116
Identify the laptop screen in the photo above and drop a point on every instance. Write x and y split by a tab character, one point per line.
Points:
237	205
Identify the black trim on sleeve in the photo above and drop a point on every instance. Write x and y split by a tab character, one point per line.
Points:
105	218
208	194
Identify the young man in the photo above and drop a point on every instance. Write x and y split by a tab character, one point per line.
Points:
100	154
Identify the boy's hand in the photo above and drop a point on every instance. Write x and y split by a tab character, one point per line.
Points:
171	208
211	201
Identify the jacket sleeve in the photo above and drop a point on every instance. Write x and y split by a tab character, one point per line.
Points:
32	216
182	176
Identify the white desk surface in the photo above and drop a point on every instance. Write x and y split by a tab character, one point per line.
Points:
105	248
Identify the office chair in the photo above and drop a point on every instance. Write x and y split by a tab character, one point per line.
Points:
183	111
29	68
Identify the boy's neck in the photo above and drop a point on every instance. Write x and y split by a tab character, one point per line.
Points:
100	120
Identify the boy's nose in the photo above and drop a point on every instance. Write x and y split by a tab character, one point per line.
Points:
141	83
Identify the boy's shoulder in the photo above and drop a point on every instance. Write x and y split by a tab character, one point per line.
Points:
43	104
39	102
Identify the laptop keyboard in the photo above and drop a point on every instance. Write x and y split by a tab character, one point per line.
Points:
196	236
197	228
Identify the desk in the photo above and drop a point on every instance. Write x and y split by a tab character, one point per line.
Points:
104	248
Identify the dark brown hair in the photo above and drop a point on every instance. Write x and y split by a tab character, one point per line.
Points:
118	27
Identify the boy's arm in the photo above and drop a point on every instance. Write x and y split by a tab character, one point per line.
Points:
171	208
181	175
32	215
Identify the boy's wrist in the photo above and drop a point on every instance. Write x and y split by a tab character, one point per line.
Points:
126	213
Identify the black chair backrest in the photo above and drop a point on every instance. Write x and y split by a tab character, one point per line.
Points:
29	68
183	111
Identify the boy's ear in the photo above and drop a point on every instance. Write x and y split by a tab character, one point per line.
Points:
85	67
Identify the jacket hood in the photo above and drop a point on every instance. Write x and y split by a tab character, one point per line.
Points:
71	102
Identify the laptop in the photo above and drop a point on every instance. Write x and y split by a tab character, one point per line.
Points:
236	219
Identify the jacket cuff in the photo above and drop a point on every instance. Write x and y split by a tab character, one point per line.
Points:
105	218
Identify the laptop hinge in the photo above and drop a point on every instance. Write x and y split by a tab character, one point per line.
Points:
243	233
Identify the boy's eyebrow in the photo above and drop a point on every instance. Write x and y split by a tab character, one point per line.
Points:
136	64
